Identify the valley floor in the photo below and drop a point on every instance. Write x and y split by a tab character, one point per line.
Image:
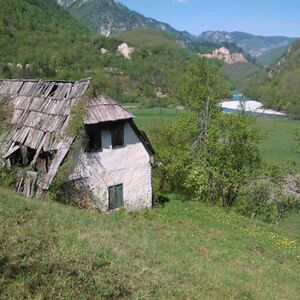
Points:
184	250
277	144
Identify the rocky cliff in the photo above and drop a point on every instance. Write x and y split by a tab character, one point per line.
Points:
225	55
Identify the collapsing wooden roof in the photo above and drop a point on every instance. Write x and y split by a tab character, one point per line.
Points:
41	110
104	109
41	114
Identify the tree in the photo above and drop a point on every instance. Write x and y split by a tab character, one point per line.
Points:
173	142
202	90
207	155
226	161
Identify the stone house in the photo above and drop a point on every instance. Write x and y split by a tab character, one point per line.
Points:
114	164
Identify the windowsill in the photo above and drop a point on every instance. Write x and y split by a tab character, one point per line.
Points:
102	149
93	151
118	147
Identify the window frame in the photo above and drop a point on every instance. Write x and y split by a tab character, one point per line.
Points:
115	187
114	128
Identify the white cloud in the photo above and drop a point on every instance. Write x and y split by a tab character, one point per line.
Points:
181	1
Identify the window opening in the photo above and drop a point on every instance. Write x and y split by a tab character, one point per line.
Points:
93	138
117	135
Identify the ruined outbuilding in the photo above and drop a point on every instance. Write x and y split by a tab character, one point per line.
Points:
114	163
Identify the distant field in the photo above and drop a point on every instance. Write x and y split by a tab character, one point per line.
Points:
145	118
184	250
278	142
277	134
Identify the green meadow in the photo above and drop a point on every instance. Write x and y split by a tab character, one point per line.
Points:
182	250
277	144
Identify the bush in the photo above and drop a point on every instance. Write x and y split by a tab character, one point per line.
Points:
265	199
256	201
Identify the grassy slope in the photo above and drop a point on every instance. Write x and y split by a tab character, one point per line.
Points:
277	143
182	250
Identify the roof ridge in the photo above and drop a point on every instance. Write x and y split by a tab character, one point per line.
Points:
48	80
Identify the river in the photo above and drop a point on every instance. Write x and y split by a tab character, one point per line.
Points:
239	102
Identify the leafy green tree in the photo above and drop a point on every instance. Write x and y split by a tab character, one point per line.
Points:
207	155
227	160
173	142
202	90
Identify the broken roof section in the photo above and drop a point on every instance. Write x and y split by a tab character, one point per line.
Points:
41	110
41	114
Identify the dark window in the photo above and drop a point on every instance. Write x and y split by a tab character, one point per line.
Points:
93	138
116	196
117	135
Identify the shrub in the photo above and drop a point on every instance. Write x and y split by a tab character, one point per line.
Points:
270	196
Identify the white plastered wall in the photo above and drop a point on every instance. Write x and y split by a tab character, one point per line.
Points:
128	165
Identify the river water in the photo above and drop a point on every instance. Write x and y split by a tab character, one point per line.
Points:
239	102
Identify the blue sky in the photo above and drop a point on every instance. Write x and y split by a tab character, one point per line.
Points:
264	17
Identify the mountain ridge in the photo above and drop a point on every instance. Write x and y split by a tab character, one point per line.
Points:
109	17
255	45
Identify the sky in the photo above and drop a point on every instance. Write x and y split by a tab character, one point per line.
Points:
262	17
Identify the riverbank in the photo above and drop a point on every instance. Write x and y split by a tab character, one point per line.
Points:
248	106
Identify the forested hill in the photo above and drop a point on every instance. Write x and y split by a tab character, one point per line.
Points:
108	17
40	39
279	86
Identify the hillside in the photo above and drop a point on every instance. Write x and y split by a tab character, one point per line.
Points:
268	58
241	74
60	47
279	86
40	39
148	38
254	45
108	17
181	250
